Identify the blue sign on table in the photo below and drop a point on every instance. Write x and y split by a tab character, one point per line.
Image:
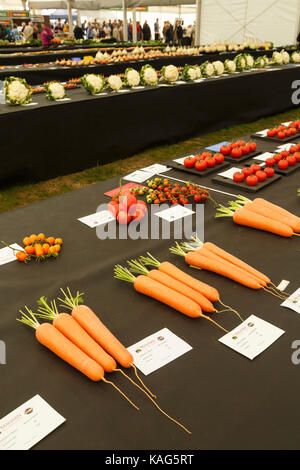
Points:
216	147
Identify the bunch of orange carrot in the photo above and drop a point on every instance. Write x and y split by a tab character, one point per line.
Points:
211	257
263	215
173	287
83	341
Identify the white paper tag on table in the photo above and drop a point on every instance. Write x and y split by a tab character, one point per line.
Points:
64	99
229	173
263	156
28	424
157	350
139	176
174	213
99	218
262	133
7	254
180	82
287	146
252	337
283	285
100	94
181	159
29	104
156	168
286	123
123	91
140	87
293	302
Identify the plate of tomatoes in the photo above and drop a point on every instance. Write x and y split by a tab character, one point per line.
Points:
239	150
285	162
281	133
201	163
250	179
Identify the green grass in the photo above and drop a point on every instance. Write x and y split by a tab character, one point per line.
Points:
16	196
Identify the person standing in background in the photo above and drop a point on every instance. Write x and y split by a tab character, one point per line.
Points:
189	35
116	32
66	27
89	31
156	30
15	34
78	32
111	26
169	33
107	30
59	27
178	33
28	31
35	31
121	30
138	31
46	36
146	32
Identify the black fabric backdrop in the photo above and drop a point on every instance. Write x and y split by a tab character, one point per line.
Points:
42	58
58	138
228	401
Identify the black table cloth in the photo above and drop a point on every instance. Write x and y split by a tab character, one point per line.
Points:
38	75
228	401
51	139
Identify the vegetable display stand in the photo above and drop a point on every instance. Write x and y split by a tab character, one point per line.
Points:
229	158
193	171
243	185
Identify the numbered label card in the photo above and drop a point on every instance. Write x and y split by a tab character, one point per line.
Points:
252	337
293	302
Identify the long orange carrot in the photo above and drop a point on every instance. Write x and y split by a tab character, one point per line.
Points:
232	272
168	268
294	221
236	261
259	208
70	328
163	278
53	339
249	219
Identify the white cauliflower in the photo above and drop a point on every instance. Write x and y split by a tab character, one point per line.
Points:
170	73
218	67
17	91
115	82
133	77
56	90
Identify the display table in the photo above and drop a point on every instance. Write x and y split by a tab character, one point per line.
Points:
57	54
86	131
228	401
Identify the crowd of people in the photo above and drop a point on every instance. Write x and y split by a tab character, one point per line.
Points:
170	34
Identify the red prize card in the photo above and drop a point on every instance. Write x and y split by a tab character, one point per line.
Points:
126	189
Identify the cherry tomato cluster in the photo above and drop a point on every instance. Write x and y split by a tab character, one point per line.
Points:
161	191
281	132
126	207
39	247
253	175
285	158
238	149
203	161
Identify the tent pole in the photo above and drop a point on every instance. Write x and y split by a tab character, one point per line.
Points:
78	18
134	31
125	25
198	22
70	18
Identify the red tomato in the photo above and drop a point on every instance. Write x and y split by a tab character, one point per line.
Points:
251	180
269	172
219	158
261	175
293	130
271	133
206	155
224	150
113	207
252	146
281	135
291	160
284	153
238	177
247	171
293	149
270	162
189	162
255	168
277	158
283	164
245	149
123	218
210	162
201	165
297	156
236	152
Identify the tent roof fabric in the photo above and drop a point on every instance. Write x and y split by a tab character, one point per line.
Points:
102	4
